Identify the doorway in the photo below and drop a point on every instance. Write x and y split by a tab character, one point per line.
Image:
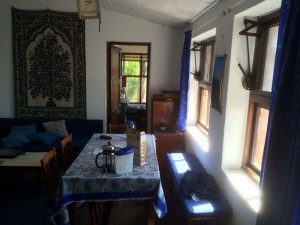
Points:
128	78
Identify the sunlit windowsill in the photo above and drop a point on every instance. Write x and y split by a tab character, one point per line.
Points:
246	187
199	137
242	183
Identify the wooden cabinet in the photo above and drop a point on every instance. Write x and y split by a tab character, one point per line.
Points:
165	112
164	119
167	143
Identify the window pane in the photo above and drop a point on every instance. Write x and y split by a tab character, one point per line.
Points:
261	124
207	63
270	59
144	90
133	88
134	74
144	68
131	68
204	107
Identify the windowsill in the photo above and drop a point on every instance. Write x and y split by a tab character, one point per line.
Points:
242	183
199	137
245	186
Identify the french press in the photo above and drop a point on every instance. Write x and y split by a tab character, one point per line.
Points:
106	158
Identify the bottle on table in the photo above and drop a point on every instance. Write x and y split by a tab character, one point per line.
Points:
130	126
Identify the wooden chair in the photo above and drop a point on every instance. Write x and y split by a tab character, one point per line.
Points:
117	129
95	208
95	212
51	178
66	152
50	175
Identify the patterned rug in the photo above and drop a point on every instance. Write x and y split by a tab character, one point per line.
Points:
49	64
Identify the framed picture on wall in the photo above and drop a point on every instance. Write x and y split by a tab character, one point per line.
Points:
216	93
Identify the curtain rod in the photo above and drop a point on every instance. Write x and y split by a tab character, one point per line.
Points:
224	13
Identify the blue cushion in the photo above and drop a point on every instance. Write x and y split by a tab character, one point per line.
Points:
204	208
84	127
43	137
26	130
15	141
79	142
39	147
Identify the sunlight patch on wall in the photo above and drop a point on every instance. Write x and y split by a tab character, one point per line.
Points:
199	137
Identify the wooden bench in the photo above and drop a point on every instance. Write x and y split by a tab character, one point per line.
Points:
204	211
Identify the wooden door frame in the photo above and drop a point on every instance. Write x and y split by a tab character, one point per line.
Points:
108	76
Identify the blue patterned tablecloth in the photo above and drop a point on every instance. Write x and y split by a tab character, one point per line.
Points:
84	182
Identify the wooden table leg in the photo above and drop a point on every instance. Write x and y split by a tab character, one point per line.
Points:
150	211
72	213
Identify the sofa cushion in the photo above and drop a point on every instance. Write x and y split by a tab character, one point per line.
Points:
26	130
79	142
56	127
43	137
15	141
39	147
83	127
215	208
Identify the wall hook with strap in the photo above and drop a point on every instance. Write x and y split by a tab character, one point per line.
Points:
248	78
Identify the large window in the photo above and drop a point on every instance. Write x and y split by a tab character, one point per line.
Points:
134	76
263	67
205	82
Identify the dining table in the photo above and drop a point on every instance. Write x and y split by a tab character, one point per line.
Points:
84	182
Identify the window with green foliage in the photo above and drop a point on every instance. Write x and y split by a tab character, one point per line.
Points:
135	76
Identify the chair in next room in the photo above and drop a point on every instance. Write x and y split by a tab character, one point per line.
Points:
117	128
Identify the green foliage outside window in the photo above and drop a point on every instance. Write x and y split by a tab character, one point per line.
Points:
133	89
132	68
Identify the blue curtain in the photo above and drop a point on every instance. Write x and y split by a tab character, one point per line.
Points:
280	178
184	84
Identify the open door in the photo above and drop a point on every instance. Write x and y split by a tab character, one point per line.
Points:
113	85
128	68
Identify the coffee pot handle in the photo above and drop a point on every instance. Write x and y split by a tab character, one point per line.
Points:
96	160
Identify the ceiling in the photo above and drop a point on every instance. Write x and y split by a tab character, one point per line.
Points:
174	13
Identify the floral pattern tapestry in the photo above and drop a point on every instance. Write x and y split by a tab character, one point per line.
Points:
49	64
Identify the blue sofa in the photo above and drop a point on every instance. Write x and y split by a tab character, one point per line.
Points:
81	130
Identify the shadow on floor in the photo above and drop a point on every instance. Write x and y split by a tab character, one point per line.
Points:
20	204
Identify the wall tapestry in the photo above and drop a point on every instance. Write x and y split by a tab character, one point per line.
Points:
49	64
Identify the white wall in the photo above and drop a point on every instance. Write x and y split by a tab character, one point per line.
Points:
227	129
166	48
